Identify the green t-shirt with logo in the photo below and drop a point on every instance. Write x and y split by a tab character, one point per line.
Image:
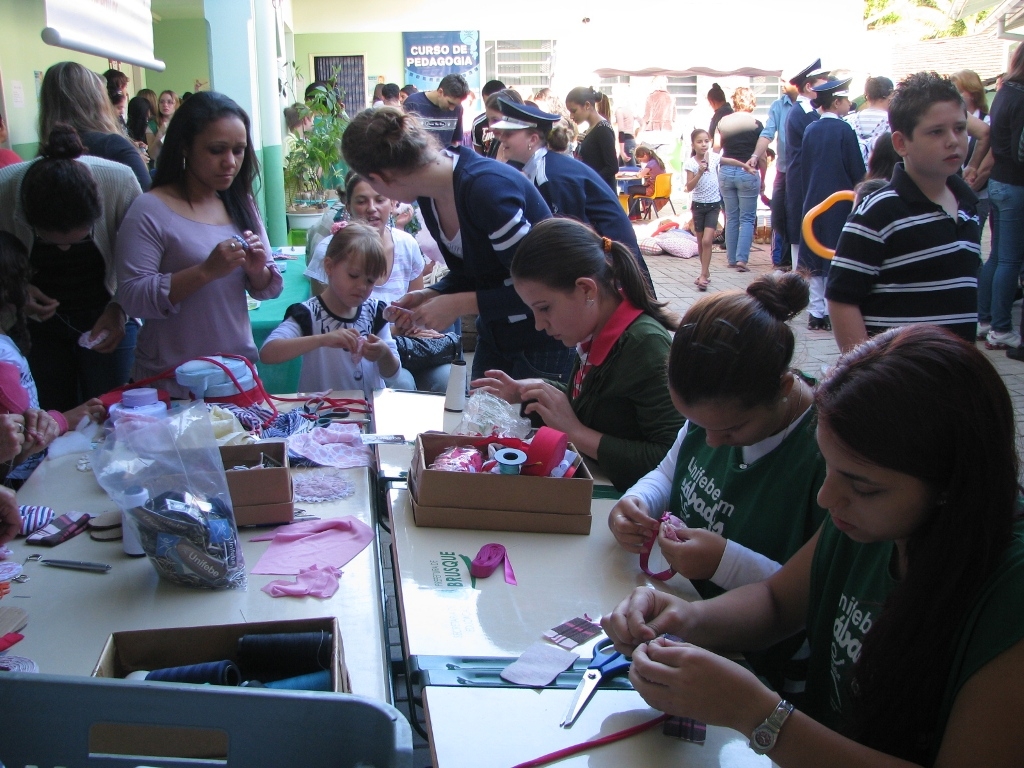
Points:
850	583
769	506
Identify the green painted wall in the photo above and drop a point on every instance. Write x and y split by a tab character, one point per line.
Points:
381	51
182	45
22	53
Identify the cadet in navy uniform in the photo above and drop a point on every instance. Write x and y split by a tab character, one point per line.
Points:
832	161
803	113
570	187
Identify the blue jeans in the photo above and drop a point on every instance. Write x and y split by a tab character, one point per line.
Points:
1007	201
739	193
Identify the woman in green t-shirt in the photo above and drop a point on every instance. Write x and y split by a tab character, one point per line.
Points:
912	592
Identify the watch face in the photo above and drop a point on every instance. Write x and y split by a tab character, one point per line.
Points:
763	738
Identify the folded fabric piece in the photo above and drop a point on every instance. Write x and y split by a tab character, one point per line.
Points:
539	665
318	542
60	529
316	581
336	445
34	517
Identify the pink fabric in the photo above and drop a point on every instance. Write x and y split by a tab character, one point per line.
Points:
337	445
487	561
14	398
300	546
315	582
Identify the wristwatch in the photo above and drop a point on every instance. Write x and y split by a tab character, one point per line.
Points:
767	733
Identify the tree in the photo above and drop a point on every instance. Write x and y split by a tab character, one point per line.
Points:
919	19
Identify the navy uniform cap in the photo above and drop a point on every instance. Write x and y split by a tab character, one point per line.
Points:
518	116
834	87
808	73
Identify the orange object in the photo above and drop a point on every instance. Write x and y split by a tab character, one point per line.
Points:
5	587
665	226
808	226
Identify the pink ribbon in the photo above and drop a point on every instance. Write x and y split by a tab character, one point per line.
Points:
645	554
487	561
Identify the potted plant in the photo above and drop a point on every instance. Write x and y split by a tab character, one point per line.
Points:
314	165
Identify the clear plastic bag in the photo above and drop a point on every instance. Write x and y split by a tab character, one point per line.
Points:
171	468
488	415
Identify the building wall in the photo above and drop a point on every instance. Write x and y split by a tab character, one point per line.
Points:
183	44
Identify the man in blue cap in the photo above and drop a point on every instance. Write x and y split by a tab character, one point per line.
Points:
569	187
831	161
804	112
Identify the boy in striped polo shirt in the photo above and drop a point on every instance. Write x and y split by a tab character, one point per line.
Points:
910	252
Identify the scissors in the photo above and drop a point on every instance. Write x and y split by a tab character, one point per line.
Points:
605	665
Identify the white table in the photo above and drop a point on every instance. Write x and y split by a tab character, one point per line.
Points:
71	613
501	727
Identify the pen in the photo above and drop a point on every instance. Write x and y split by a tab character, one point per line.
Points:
77	565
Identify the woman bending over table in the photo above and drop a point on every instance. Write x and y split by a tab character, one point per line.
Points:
478	210
742	477
912	591
190	248
587	292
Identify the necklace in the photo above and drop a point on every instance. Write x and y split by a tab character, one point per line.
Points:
794	418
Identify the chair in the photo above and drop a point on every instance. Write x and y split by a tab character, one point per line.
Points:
662	192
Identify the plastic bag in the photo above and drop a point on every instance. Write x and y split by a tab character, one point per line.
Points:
488	415
184	518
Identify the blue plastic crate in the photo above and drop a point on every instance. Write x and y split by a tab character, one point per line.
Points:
48	720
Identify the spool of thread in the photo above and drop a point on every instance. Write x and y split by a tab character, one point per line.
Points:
317	681
213	672
510	461
546	451
279	656
455	398
139	674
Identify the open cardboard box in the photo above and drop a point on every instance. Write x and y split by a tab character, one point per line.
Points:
150	649
263	495
496	502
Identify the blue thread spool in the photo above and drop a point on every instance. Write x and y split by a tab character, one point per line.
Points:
316	681
510	461
212	673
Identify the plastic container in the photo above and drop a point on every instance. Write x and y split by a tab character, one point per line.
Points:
138	402
207	381
135	496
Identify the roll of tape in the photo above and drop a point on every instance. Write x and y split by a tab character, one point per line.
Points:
510	461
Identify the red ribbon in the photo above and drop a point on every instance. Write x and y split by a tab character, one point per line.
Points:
543	453
584	746
645	554
487	561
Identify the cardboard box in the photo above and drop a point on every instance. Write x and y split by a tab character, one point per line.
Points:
496	502
150	649
263	495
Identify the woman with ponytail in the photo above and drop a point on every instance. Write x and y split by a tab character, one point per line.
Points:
598	149
587	292
912	592
478	211
742	477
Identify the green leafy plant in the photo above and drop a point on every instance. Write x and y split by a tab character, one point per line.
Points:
315	164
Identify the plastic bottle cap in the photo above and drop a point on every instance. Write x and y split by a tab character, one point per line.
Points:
134	496
136	398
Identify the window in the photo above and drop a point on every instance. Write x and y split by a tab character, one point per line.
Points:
525	65
684	91
607	83
767	90
351	80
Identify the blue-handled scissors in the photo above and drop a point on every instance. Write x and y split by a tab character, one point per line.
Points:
607	663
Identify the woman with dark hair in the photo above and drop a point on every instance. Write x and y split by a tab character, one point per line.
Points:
721	107
599	148
569	187
478	211
587	292
191	247
77	96
911	592
744	471
138	119
881	162
66	207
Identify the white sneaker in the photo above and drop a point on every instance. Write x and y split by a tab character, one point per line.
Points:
1002	339
983	329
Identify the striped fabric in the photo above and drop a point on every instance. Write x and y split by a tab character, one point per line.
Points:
33	518
902	259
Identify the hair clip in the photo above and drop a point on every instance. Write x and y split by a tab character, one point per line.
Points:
338	226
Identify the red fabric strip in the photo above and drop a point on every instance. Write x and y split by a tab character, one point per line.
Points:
645	555
584	746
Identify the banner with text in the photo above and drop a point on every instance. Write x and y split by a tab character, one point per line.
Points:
429	56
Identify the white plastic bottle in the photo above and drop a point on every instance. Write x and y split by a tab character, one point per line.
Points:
138	402
134	496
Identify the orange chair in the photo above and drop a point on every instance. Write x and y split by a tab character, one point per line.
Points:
662	194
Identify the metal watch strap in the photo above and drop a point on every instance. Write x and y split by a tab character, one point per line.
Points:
765	735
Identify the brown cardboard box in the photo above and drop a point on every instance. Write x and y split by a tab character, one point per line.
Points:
261	496
150	649
496	502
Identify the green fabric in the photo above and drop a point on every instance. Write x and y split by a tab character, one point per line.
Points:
850	583
770	507
626	399
282	378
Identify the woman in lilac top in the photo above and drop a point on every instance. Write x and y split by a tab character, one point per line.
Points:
189	249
